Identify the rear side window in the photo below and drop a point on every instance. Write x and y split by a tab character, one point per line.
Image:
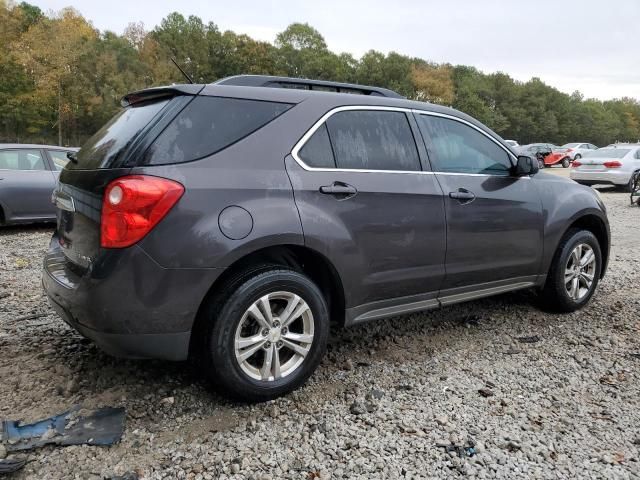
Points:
59	159
373	140
110	143
208	125
317	151
460	148
21	160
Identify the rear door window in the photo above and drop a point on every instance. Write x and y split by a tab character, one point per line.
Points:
111	142
21	160
208	125
460	148
373	140
317	152
59	159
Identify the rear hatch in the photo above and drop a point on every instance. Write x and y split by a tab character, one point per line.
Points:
107	155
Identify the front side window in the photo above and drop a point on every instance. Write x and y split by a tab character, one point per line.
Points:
21	160
59	159
459	148
208	125
373	140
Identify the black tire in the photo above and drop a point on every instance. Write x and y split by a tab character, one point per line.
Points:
541	164
577	157
223	315
566	162
554	295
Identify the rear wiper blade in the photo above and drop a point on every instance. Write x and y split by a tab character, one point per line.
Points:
72	156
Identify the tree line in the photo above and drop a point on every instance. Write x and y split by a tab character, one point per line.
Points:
61	79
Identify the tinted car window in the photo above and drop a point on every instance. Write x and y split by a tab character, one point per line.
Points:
108	145
208	125
373	140
59	159
317	151
21	160
460	148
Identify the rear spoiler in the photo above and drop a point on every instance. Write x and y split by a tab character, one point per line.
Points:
160	92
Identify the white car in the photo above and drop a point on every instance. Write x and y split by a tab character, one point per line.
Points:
578	150
512	143
613	166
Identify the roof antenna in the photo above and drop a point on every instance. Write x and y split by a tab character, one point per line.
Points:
181	70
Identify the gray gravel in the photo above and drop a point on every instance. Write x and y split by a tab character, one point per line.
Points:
562	405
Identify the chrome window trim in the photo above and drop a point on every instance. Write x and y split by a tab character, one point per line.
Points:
298	146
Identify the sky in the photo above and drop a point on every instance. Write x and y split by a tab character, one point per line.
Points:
590	45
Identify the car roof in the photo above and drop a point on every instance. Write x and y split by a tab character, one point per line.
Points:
35	145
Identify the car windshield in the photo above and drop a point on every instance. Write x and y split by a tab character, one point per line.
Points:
608	153
570	145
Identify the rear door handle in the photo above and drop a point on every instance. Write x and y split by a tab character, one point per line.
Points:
339	189
462	195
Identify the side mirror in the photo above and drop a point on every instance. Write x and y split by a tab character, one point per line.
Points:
525	166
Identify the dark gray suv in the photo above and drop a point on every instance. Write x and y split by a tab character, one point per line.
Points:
232	222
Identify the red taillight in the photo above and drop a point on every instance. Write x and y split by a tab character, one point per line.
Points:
576	163
133	205
613	164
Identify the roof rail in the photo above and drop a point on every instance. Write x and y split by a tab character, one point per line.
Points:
305	84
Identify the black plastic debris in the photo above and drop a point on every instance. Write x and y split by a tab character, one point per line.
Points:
531	339
10	465
74	427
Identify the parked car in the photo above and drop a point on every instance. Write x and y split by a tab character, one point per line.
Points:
578	150
557	156
512	143
232	224
613	166
538	151
28	175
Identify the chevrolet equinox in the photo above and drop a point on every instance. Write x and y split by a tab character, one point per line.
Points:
232	222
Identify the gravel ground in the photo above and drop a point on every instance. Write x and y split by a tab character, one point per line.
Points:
563	404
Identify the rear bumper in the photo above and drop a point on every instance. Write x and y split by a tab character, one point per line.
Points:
167	346
612	177
126	303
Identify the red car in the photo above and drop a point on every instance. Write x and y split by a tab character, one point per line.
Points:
557	156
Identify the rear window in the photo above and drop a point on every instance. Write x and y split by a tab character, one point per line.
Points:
110	143
208	125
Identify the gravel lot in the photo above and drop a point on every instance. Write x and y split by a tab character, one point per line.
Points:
565	404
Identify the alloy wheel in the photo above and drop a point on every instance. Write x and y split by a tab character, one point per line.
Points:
580	272
274	336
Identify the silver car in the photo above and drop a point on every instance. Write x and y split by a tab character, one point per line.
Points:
578	150
613	166
28	176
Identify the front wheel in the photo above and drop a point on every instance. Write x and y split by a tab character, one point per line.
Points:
540	164
267	337
566	162
574	273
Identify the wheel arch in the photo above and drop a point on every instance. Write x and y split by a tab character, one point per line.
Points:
299	258
594	224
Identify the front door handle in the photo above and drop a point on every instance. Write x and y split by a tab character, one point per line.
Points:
339	189
463	195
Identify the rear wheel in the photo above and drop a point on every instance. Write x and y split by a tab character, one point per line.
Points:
574	272
267	337
566	162
577	157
